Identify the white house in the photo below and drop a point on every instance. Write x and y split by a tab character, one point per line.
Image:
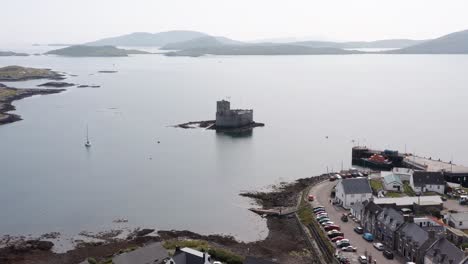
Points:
404	173
428	181
392	182
351	191
458	220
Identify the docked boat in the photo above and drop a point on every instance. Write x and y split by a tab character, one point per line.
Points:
377	161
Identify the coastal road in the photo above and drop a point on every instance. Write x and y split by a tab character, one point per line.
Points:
322	195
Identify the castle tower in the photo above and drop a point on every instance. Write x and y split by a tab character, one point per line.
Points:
223	106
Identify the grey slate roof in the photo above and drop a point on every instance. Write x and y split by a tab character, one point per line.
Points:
415	232
372	207
356	186
188	256
391	218
421	178
442	251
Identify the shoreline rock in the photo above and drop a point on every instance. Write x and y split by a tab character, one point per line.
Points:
8	95
56	84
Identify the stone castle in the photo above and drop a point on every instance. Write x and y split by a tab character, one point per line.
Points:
232	118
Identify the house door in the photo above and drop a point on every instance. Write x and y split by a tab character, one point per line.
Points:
398	188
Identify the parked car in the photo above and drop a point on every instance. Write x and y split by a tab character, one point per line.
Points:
379	246
344	240
359	230
321	217
321	214
349	249
336	239
443	198
344	244
310	197
318	210
323	220
318	207
334	234
368	236
332	227
388	254
362	259
328	223
332	178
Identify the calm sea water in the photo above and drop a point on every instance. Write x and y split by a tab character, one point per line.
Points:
50	182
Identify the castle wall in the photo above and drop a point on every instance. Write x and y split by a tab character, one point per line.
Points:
234	118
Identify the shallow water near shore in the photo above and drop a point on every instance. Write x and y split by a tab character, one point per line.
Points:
191	180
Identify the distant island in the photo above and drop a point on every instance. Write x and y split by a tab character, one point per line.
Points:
202	42
279	49
94	51
18	73
148	39
11	53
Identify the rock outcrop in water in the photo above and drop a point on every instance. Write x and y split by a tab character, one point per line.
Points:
19	73
94	51
56	84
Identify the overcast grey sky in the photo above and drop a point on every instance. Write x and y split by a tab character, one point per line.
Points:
75	21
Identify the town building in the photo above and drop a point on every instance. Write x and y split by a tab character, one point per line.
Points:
351	191
404	173
388	221
189	256
392	182
428	181
458	220
430	223
232	118
456	236
369	217
442	251
412	241
419	205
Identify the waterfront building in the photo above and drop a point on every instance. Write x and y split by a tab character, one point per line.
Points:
351	191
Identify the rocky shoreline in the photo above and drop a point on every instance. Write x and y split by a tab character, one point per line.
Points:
284	243
8	95
18	73
211	124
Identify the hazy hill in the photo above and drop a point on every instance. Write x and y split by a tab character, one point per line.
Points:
148	39
386	43
259	49
94	51
454	43
11	53
207	41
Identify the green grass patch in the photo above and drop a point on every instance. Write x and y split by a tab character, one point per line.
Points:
195	244
393	194
376	185
225	256
408	190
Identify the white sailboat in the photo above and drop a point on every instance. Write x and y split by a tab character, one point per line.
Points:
87	143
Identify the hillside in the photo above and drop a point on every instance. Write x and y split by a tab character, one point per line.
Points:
94	51
386	43
11	53
454	43
148	39
202	42
280	49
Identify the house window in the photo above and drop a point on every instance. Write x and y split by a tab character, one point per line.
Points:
438	186
461	223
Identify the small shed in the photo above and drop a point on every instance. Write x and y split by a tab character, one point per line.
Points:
392	182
